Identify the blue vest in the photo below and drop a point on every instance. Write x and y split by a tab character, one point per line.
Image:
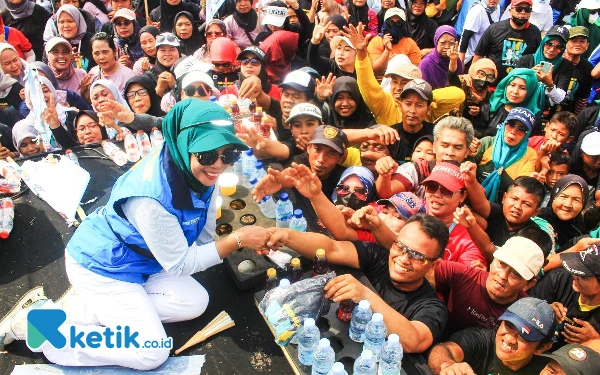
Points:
108	244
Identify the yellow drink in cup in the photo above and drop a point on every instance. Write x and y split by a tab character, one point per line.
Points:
228	183
219	204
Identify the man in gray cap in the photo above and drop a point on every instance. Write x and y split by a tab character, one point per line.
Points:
573	359
524	333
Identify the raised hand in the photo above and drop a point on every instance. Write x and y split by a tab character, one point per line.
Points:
469	171
319	31
366	218
453	51
464	217
386	165
475	143
383	134
387	42
324	86
116	110
250	88
550	145
252	137
307	182
355	34
50	116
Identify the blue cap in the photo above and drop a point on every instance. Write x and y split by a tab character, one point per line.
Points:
523	115
258	165
298	213
253	181
213	98
249	152
283	196
533	318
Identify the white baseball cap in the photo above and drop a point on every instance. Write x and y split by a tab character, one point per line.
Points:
304	109
275	16
523	255
591	144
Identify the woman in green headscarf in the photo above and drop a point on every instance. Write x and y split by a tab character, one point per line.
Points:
520	88
130	262
557	79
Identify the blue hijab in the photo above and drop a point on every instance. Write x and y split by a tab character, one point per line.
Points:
365	176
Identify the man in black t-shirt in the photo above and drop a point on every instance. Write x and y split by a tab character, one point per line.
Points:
514	348
408	303
506	41
581	82
574	292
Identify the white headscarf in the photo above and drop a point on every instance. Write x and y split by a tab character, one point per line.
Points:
112	88
60	109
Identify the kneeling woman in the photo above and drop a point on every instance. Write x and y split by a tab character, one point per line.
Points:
129	271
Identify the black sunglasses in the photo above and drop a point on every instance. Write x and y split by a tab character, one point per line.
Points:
222	65
433	187
167	37
413	254
191	90
230	157
254	62
520	9
519	129
123	23
556	46
361	193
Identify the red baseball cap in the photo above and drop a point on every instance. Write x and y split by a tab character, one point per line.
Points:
517	2
448	175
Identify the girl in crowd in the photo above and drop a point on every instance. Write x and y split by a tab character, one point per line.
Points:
567	200
242	26
336	26
11	82
148	36
140	92
188	34
30	19
214	29
225	65
443	60
105	55
330	8
346	107
420	27
168	9
503	158
70	25
520	88
60	60
475	85
167	52
16	39
342	64
126	31
360	12
87	128
423	149
551	51
253	63
91	23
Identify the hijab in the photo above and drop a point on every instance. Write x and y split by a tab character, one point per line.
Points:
503	155
332	7
358	14
24	65
481	64
361	118
368	180
112	88
538	56
23	129
534	100
22	10
40	66
168	13
191	44
79	21
131	45
94	117
247	21
264	77
154	31
150	86
566	230
280	49
397	31
419	27
186	125
434	66
381	14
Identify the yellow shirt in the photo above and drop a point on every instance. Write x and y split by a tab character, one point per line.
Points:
406	46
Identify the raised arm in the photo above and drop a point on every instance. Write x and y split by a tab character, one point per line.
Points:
475	191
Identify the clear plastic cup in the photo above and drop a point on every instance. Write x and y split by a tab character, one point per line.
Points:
219	205
225	100
244	105
228	183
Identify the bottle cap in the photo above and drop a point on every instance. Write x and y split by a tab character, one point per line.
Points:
233	101
249	152
298	213
4	234
320	253
337	367
377	317
258	165
258	109
295	262
324	343
284	196
228	110
68	151
213	98
271	273
154	128
366	354
253	181
309	322
140	131
364	304
394	338
284	283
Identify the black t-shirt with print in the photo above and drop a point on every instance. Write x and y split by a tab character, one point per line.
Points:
557	286
505	45
421	305
479	348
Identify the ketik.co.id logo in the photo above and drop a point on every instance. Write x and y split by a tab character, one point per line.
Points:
44	324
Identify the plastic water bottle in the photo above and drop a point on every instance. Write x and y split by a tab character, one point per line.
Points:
308	342
268	207
156	138
323	358
284	211
375	335
259	171
360	317
298	222
238	169
8	214
365	364
338	369
248	164
71	156
131	148
115	153
390	358
143	142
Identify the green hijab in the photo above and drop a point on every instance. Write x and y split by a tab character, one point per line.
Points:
193	125
534	100
538	56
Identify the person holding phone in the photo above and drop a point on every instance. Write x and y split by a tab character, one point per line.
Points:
550	67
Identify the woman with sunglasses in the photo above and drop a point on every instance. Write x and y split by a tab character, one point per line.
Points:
225	65
194	84
125	268
437	65
126	32
70	25
214	29
476	86
506	156
355	189
140	92
188	34
148	36
520	88
558	78
253	63
104	52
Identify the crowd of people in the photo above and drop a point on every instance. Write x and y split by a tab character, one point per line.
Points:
450	150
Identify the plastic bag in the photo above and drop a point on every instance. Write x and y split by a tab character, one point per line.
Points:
286	309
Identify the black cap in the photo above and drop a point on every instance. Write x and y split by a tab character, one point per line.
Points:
577	359
584	263
420	87
330	136
560	31
259	53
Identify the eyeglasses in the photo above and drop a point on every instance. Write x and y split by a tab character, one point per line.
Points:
222	65
361	193
558	46
377	147
254	62
140	93
168	37
520	9
483	75
191	90
413	254
230	157
447	43
123	23
433	187
516	128
391	23
88	126
213	33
